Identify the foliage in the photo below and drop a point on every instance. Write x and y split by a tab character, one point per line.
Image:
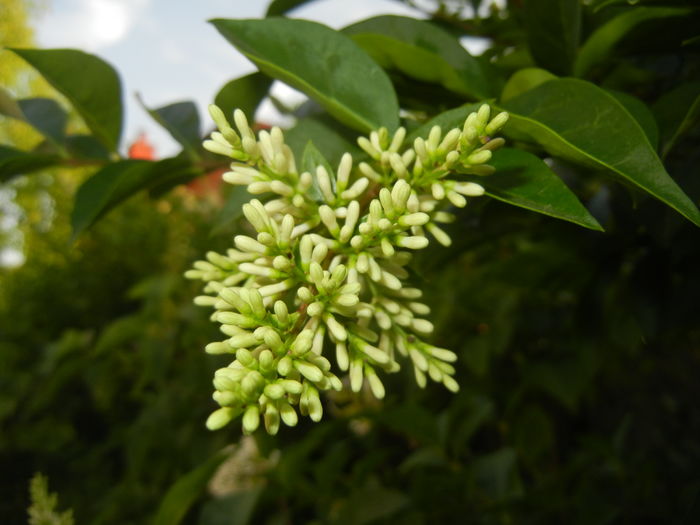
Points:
577	349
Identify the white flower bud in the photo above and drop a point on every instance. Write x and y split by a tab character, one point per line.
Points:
412	242
247	244
369	148
324	184
343	174
357	189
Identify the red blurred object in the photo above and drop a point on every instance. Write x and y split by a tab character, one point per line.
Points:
141	148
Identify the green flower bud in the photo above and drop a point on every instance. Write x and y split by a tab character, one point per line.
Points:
309	371
274	391
266	360
288	414
220	418
251	419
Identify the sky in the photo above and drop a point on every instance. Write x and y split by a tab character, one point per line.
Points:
166	51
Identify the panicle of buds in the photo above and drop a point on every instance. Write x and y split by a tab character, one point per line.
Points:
324	270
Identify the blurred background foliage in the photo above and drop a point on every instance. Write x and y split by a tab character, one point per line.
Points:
579	350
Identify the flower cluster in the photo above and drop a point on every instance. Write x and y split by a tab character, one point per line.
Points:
325	271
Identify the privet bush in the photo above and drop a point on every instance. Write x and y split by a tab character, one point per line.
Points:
577	347
327	266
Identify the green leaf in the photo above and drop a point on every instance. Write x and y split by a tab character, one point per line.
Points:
46	116
43	114
599	45
14	162
553	32
181	120
604	136
452	118
186	490
232	210
310	160
114	183
422	51
524	80
86	147
324	64
524	180
280	7
328	140
244	93
676	112
641	113
89	83
8	105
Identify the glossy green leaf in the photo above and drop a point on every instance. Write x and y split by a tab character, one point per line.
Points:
43	114
86	147
324	64
452	118
14	162
422	51
280	7
641	113
524	80
182	495
232	209
181	120
116	182
524	180
598	46
46	116
89	83
553	32
604	136
244	93
325	138
676	112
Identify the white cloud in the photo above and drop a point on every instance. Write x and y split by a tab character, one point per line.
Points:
90	24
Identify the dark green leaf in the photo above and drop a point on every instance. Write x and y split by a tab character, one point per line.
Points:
324	138
371	503
497	474
324	64
641	113
553	32
186	490
46	116
181	120
280	7
15	162
244	93
86	147
599	45
603	136
116	182
676	112
524	180
422	51
89	83
232	210
525	80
